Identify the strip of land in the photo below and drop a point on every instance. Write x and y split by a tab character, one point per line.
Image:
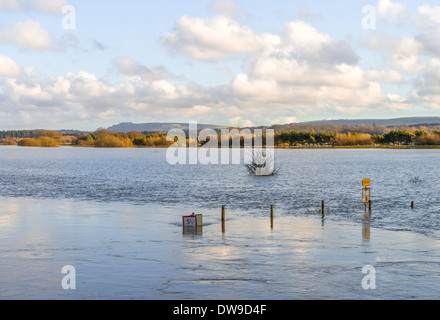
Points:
315	137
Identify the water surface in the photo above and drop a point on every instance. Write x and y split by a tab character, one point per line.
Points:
115	214
142	176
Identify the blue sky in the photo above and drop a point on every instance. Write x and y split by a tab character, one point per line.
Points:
220	61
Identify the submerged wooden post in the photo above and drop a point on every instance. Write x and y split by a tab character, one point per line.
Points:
323	209
366	193
223	219
271	216
412	204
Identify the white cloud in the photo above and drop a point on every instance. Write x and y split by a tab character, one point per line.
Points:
405	56
29	35
8	67
402	53
270	43
383	75
349	97
108	115
320	48
390	9
194	111
427	25
165	89
10	5
271	98
82	96
209	39
298	72
227	8
48	6
44	6
284	120
301	73
131	68
433	13
395	102
28	96
259	89
305	36
426	89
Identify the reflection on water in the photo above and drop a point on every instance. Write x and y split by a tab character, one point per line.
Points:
115	215
139	252
193	230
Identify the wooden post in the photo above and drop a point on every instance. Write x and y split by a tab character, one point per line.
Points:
323	209
412	204
366	193
223	219
271	216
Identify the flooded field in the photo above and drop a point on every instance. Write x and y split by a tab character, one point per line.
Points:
116	216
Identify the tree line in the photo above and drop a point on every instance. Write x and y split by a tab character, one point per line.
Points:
19	134
287	138
419	136
102	138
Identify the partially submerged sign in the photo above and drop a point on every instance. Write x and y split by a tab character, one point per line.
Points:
193	224
366	197
194	220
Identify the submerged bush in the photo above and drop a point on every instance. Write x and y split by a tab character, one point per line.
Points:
113	142
8	142
46	142
353	139
427	139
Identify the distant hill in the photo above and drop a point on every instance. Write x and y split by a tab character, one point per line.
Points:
163	127
414	121
157	127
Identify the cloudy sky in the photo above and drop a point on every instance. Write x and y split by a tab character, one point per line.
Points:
67	64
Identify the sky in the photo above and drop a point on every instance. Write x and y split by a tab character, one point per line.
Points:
88	64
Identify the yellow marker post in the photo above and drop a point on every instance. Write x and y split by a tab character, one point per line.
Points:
366	196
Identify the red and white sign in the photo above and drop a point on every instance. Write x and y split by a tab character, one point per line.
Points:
192	221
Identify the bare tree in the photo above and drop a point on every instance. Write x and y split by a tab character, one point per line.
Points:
263	163
414	178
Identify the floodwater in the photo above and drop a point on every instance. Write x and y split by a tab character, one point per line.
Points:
115	215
